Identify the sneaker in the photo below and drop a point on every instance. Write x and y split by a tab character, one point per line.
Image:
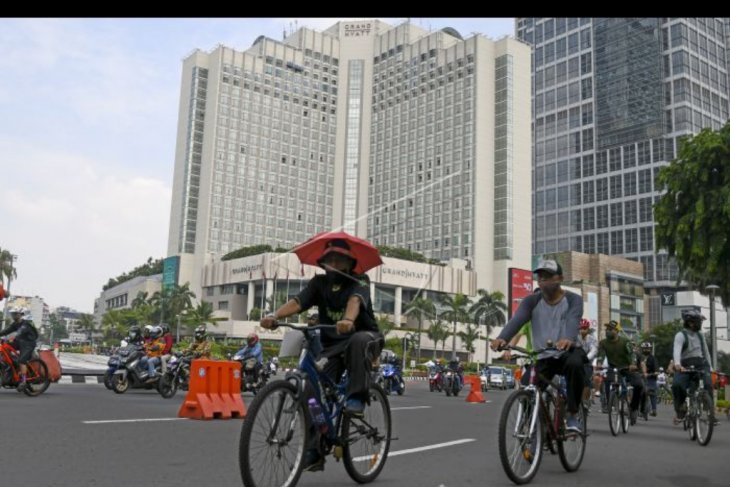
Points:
22	385
313	461
632	417
653	413
354	406
572	423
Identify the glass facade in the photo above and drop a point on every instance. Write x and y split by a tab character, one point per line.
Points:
503	158
611	100
352	149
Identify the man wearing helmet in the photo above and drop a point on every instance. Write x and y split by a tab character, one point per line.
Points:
343	299
153	349
650	374
167	351
253	349
200	348
690	350
587	341
26	335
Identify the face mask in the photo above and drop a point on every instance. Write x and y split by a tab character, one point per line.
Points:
336	278
611	335
695	326
646	352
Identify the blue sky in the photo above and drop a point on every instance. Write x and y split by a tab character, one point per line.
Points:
87	139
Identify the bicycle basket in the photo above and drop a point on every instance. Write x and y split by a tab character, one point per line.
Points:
291	344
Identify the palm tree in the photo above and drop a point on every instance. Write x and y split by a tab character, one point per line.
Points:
7	267
141	299
437	332
86	324
202	314
489	310
113	324
419	307
384	325
455	312
469	337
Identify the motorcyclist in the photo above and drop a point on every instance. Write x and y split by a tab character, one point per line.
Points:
200	348
26	335
134	336
690	350
455	366
252	349
167	351
153	350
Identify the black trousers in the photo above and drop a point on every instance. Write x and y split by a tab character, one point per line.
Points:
569	364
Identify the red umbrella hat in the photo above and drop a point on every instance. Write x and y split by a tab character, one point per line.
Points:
365	255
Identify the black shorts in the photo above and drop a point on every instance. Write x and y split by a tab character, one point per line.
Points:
25	351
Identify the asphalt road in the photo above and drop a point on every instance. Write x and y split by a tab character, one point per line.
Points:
57	439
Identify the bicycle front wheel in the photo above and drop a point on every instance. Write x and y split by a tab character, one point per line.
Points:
273	438
614	414
520	450
37	378
572	445
705	419
367	439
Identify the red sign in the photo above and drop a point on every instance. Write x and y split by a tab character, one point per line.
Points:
520	286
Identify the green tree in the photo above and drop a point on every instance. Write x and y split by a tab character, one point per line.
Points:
456	311
254	314
468	337
141	299
489	310
663	338
693	215
419	307
723	362
56	330
149	268
384	324
7	266
86	324
115	324
436	333
202	314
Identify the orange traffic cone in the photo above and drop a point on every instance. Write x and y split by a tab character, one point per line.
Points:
475	395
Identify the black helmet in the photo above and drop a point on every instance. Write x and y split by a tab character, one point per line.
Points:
134	333
165	328
692	316
200	333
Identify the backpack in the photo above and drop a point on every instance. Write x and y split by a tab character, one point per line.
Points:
686	343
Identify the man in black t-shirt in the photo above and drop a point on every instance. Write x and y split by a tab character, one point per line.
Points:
342	299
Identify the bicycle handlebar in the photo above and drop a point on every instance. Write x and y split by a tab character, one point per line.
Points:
528	352
304	328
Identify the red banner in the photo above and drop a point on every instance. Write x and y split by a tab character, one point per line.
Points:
520	286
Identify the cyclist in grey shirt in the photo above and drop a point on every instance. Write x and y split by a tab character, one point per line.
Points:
555	314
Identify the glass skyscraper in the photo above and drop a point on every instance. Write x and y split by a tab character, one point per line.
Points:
611	99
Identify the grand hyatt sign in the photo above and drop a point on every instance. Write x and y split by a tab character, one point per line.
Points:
359	29
404	273
246	268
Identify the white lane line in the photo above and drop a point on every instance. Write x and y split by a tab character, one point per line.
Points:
144	420
410	407
419	449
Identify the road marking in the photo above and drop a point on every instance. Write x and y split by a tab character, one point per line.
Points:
144	420
410	407
419	449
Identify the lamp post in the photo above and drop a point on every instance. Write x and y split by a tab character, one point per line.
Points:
712	289
406	340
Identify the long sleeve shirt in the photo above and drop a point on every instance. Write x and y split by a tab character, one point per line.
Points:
589	344
550	322
619	352
696	348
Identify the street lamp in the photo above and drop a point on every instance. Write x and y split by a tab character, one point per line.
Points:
406	340
712	289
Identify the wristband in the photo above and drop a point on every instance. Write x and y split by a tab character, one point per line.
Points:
348	319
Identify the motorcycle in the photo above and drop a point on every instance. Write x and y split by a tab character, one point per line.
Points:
452	383
253	375
112	365
129	374
435	380
176	376
392	380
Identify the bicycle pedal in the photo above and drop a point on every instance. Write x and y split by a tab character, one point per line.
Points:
337	453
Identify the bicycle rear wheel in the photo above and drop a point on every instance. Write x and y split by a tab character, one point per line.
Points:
705	418
614	414
519	451
37	378
367	439
571	445
273	438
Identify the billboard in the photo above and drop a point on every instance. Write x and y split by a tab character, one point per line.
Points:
170	271
520	286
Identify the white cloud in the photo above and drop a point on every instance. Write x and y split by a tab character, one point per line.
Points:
74	223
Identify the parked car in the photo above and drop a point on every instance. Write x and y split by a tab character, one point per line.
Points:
500	377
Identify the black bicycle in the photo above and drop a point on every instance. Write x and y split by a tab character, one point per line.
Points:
619	397
533	418
700	417
274	433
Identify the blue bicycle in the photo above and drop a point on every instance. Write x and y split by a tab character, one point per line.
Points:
274	434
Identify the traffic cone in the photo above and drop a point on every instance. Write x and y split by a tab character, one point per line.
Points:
475	395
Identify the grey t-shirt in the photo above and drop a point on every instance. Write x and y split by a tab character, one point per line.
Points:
549	322
696	348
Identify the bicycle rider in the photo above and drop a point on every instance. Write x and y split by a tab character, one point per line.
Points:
690	349
26	335
555	315
342	299
620	354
